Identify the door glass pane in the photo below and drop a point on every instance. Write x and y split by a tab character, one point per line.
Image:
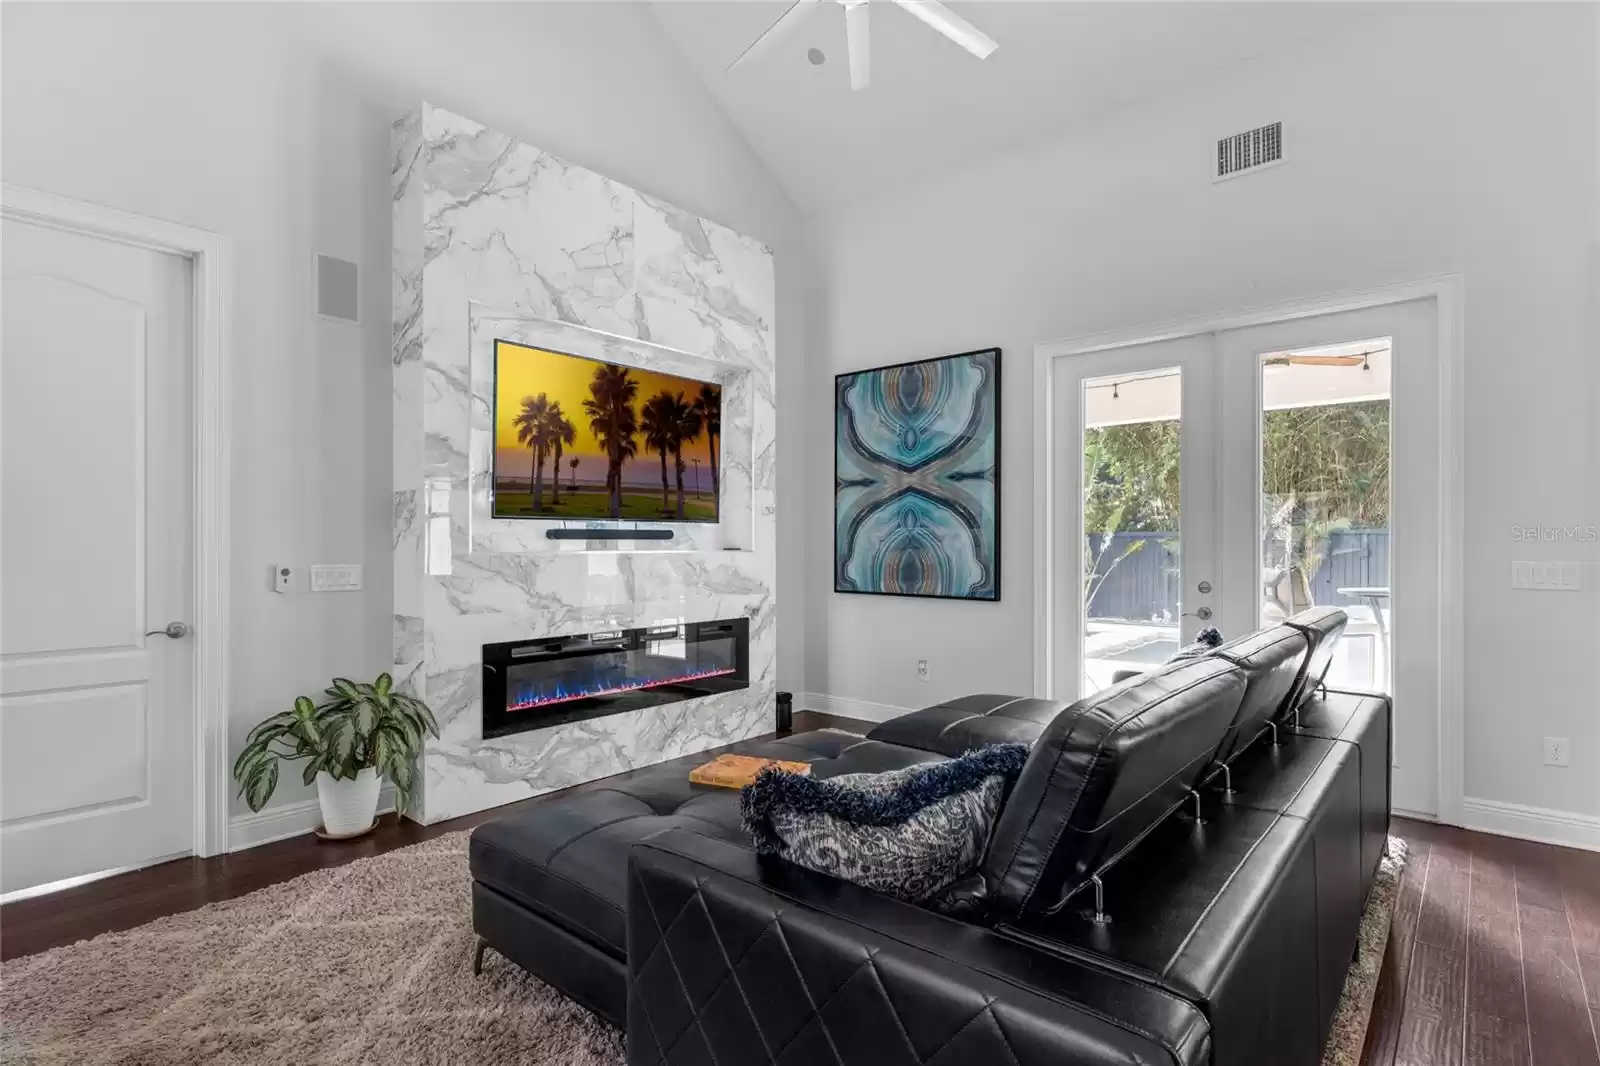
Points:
1325	497
1130	520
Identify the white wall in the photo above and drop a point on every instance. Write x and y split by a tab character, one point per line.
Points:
270	123
1450	138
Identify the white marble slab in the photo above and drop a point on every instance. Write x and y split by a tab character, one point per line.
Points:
498	239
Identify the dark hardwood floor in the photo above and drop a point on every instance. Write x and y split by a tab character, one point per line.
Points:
1494	957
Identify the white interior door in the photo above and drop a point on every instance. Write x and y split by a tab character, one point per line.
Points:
96	715
1135	501
1330	466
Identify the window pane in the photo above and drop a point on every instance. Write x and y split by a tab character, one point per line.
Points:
1325	497
1130	520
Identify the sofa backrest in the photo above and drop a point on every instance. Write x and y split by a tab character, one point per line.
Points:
1322	626
1273	661
1104	772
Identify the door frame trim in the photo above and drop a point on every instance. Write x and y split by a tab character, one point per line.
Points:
212	277
1445	291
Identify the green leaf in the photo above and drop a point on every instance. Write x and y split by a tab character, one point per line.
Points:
344	688
306	729
382	749
304	708
383	684
277	723
366	717
261	788
252	753
311	771
400	773
343	742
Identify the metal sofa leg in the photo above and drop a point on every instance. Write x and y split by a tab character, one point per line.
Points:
477	957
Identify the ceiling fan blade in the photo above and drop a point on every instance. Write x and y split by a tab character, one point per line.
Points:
858	35
786	22
952	26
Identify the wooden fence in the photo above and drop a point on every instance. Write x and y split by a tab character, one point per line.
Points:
1146	584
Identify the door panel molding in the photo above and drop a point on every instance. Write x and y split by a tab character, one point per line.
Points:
212	256
1445	291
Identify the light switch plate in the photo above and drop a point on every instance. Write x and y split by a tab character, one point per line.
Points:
335	578
1566	576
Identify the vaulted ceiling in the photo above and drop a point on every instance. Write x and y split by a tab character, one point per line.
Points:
932	105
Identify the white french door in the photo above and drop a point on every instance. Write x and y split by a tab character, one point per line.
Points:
1236	477
1136	506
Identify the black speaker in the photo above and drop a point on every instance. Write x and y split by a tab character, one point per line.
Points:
785	712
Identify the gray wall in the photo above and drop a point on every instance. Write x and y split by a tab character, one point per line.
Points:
270	123
1396	171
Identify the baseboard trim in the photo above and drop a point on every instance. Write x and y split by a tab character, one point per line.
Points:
285	820
866	710
1531	823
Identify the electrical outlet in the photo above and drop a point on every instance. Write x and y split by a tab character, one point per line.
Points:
335	578
922	669
1547	577
284	577
1556	751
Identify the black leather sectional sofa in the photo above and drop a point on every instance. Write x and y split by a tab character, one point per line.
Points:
1176	877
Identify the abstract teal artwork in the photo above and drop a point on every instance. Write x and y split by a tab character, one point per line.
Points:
916	478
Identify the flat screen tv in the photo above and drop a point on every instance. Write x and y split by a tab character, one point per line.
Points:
579	438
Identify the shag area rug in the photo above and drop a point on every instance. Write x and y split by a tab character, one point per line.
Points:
365	963
1348	1037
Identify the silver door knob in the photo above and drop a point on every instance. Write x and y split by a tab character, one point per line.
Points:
175	630
1204	614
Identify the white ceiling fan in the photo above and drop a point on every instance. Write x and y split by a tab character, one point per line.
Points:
858	33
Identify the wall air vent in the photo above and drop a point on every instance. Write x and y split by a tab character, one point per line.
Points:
1250	150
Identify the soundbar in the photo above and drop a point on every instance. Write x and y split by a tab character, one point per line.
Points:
563	533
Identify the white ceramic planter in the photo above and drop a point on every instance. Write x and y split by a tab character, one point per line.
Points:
348	806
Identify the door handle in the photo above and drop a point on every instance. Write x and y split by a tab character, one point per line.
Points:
1204	614
175	630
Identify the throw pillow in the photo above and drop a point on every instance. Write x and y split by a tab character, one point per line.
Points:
906	833
1204	641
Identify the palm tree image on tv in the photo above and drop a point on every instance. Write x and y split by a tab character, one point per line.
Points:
630	422
658	429
562	434
686	426
614	423
533	429
708	402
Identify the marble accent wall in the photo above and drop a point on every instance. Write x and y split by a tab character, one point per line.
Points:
494	238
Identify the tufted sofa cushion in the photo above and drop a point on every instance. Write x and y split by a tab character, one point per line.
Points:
567	859
967	722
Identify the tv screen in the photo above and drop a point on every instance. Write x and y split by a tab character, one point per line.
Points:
580	438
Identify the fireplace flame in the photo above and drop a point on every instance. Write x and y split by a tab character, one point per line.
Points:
564	695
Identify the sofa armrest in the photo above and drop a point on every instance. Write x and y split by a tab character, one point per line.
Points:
737	958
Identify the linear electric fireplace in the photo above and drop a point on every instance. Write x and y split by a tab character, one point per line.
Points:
535	684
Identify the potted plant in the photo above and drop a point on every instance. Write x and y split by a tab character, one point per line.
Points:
360	734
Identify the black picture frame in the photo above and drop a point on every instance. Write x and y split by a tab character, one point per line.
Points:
996	385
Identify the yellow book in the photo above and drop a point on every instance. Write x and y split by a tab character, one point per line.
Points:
737	771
